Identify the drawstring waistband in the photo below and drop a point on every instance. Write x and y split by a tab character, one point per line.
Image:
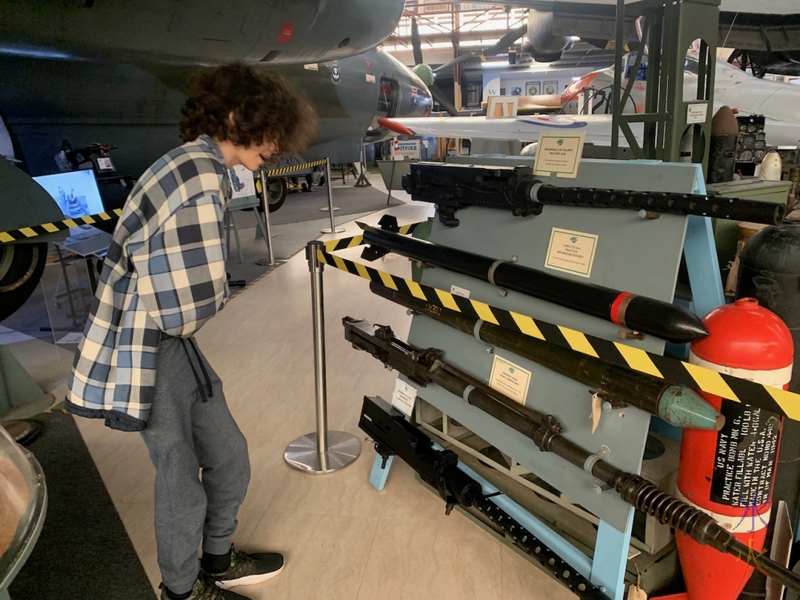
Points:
204	385
206	390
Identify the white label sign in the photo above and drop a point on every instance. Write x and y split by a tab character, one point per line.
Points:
409	149
105	164
459	291
403	397
571	252
696	113
311	67
370	78
559	154
510	379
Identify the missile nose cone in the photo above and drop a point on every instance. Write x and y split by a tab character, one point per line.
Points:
690	330
667	321
683	407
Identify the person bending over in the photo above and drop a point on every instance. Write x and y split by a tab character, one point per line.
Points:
139	366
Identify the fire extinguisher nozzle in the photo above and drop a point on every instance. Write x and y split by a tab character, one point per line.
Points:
683	407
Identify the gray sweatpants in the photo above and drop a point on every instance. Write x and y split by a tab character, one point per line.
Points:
201	460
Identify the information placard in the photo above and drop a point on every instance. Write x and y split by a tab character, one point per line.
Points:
510	379
403	397
571	252
558	154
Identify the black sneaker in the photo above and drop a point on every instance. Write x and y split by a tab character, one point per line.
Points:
205	589
248	569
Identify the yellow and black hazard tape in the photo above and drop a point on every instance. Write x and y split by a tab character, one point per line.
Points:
357	240
26	233
769	398
293	168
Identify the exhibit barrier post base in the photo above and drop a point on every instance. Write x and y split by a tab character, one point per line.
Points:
321	451
303	453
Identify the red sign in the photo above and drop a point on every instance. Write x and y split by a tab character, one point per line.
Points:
368	63
287	33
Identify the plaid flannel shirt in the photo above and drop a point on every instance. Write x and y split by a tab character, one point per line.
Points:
164	272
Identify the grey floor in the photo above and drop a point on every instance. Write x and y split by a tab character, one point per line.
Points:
343	539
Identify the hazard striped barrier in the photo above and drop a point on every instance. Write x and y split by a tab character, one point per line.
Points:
293	168
768	398
26	233
357	240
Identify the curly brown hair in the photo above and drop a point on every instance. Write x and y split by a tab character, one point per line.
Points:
265	107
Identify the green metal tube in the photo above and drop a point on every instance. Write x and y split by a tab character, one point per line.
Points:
677	405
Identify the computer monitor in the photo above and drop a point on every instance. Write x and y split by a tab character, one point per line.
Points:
75	192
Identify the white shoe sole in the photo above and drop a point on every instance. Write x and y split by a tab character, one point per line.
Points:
249	580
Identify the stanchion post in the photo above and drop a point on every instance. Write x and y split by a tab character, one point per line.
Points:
363	180
330	199
265	202
330	208
321	451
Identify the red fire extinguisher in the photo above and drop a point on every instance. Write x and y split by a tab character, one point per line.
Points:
728	474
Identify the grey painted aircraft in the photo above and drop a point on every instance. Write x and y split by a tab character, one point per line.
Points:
768	30
270	31
49	94
137	107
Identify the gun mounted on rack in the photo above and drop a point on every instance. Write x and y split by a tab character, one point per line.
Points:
393	435
451	187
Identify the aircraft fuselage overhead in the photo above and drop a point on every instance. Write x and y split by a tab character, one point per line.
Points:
197	31
137	107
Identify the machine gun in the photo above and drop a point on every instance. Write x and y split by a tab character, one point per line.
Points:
393	435
451	187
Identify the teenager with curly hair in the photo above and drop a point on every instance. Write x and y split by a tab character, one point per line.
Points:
139	367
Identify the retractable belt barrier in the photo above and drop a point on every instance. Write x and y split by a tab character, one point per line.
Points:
26	233
772	399
292	168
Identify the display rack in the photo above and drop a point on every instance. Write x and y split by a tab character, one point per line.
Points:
634	254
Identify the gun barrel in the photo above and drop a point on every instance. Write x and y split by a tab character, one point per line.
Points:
639	313
452	187
675	404
771	213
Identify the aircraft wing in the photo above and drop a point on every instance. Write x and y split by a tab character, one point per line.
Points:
597	128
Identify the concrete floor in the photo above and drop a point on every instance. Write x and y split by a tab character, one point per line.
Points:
343	539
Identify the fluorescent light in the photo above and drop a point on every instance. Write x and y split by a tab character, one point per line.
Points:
471	43
34	52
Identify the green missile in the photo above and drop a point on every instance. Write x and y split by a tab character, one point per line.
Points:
676	404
